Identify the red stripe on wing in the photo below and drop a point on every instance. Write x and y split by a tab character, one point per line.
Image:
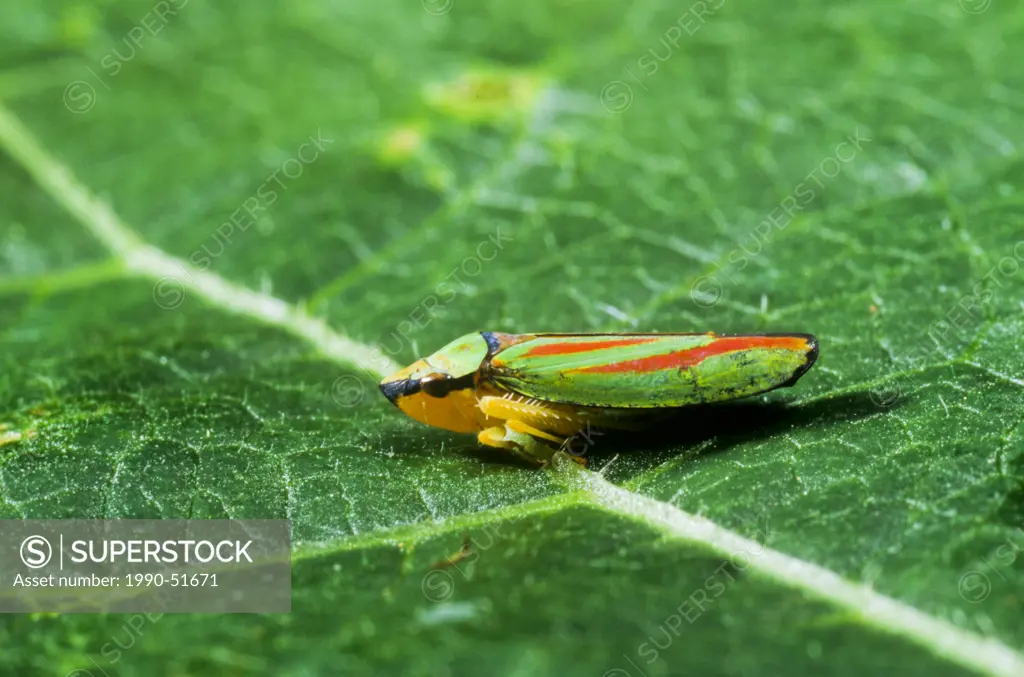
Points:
692	356
586	346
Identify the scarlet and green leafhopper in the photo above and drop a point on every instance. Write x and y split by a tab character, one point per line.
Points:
530	393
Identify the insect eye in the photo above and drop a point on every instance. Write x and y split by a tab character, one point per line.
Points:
435	385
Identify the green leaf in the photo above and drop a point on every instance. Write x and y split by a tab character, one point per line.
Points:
221	225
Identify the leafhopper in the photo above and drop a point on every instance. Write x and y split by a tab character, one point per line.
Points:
530	393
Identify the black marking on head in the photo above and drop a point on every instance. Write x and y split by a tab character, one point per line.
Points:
395	389
438	386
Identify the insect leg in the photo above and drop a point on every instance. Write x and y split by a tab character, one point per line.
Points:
530	423
550	421
522	427
519	444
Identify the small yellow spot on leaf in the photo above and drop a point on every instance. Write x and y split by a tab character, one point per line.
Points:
407	146
9	437
401	144
486	95
78	24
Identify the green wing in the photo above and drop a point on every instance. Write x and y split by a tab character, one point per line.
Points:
649	371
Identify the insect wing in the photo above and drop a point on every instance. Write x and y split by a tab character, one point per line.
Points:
648	371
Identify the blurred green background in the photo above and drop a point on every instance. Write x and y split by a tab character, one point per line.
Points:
221	222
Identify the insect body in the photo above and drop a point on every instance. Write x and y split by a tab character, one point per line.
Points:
529	393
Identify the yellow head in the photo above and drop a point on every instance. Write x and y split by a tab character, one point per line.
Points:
440	390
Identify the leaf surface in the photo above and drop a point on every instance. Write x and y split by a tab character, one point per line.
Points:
193	313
